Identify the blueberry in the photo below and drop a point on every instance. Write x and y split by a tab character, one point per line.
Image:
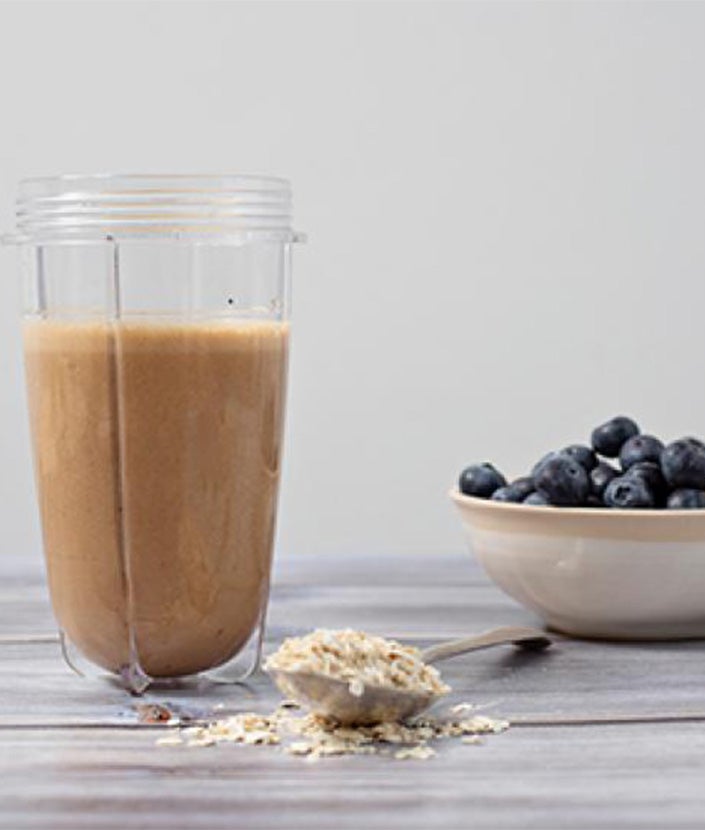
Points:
628	492
481	480
683	464
521	487
651	473
536	469
537	499
563	481
686	500
582	454
515	492
601	476
607	439
593	501
638	449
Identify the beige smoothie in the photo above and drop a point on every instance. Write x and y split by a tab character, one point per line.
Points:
157	452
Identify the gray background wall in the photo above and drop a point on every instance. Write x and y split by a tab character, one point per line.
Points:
505	205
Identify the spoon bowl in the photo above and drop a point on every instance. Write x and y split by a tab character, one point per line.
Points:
332	698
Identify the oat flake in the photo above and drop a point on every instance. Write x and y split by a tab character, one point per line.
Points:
312	737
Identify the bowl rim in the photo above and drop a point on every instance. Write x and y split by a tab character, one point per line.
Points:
581	522
597	512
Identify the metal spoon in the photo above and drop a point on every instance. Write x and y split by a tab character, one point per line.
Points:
377	704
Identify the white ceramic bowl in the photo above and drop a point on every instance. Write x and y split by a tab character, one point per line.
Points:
614	574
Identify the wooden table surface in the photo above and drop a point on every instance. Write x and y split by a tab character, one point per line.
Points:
602	735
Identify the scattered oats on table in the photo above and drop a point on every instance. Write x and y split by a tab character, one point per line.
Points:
299	748
416	753
312	737
170	740
358	659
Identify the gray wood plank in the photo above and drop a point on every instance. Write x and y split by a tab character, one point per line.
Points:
73	755
577	680
578	777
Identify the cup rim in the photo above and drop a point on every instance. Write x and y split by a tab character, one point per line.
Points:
78	207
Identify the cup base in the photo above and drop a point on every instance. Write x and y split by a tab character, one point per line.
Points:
133	679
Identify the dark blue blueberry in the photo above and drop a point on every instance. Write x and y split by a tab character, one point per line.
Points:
521	487
686	500
504	494
651	473
539	464
582	454
515	492
601	476
638	449
683	464
537	499
481	480
563	481
628	492
608	438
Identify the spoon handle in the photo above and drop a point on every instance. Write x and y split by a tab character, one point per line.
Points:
525	637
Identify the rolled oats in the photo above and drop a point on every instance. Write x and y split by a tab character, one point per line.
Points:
359	659
314	737
417	753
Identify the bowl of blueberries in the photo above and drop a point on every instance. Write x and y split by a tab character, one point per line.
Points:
605	540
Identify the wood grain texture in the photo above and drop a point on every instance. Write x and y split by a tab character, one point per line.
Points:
628	752
577	777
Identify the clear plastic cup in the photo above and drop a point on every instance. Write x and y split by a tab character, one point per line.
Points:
156	337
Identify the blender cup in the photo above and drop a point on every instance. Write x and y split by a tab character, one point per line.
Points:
156	337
